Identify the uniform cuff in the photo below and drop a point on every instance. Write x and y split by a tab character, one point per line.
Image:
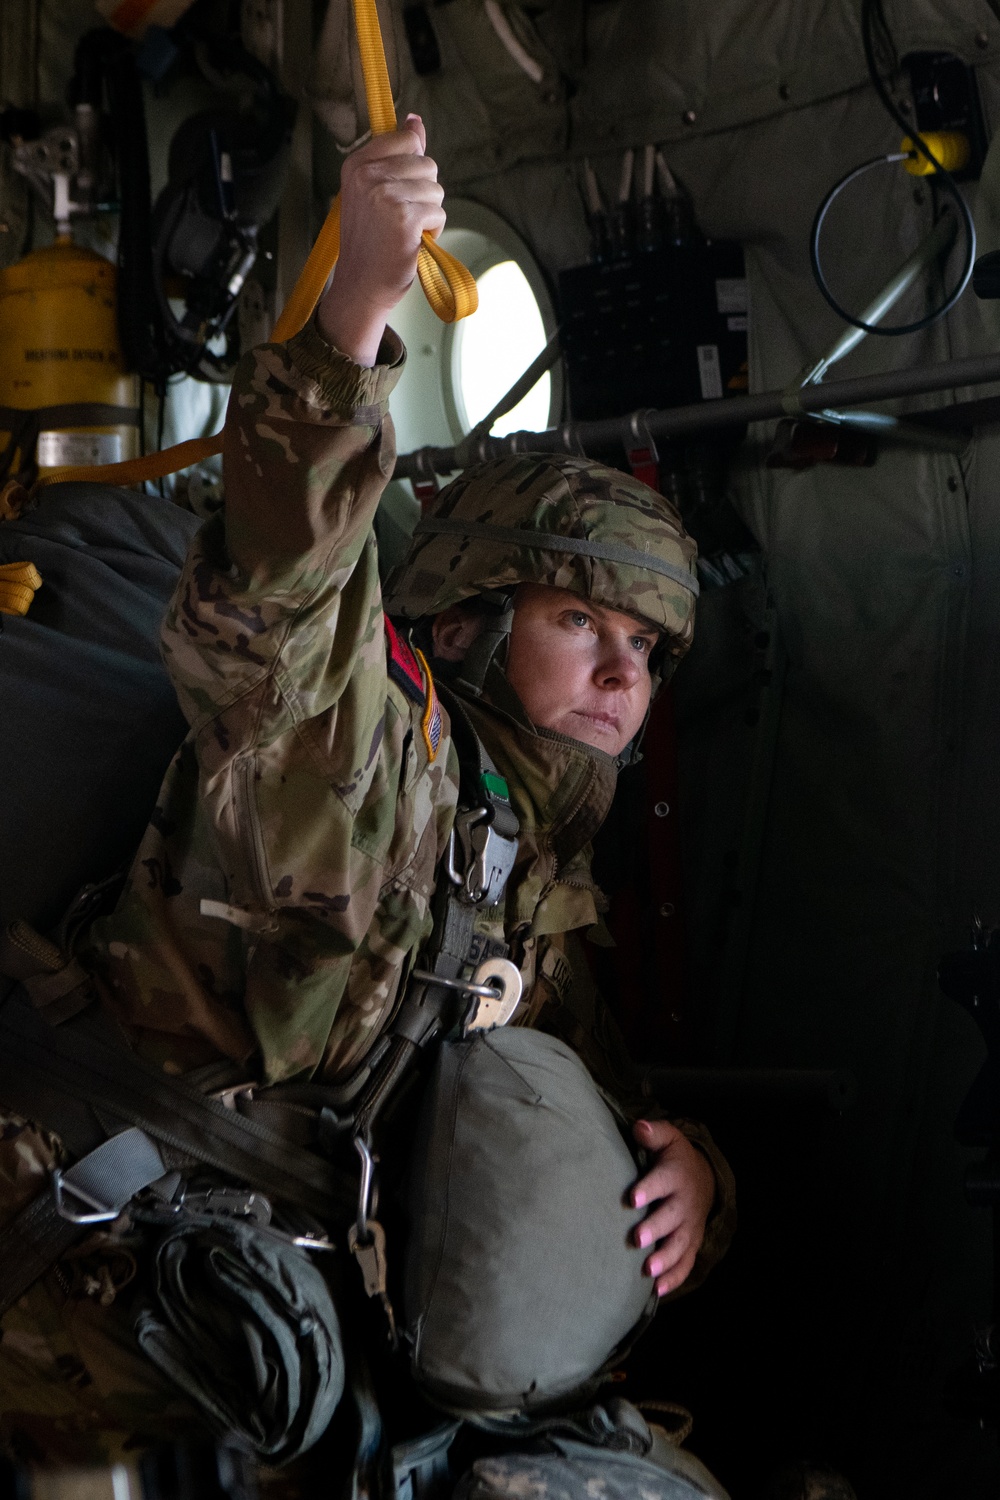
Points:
344	385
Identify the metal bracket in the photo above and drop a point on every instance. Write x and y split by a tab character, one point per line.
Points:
100	1213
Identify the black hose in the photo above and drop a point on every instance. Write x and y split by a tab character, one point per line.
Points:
140	328
870	10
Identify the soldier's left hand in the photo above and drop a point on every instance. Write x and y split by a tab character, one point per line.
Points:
680	1191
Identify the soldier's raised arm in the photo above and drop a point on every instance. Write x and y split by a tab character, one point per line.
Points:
308	444
254	889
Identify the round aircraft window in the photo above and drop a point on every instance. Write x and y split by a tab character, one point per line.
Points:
456	373
493	348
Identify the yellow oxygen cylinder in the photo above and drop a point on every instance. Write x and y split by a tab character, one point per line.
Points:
949	147
66	397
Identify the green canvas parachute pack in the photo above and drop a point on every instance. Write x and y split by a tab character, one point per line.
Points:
522	1278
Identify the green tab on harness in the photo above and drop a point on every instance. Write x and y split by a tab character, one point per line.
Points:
494	785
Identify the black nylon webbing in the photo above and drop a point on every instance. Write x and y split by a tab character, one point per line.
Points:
71	414
29	1245
473	756
77	1060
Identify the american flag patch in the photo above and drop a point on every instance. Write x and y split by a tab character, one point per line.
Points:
430	724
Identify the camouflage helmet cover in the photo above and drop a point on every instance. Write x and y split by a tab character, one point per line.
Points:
585	527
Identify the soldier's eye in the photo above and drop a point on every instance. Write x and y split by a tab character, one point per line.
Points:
579	617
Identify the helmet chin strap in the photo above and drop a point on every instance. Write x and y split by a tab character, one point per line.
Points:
495	633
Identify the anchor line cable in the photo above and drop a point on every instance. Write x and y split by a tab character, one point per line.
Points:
871	11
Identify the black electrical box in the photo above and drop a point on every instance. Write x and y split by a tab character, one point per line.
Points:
659	328
946	97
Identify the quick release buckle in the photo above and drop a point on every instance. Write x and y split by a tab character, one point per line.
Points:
487	857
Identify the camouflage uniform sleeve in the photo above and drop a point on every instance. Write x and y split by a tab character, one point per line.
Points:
274	638
308	448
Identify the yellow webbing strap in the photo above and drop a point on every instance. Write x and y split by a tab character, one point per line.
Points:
448	286
18	582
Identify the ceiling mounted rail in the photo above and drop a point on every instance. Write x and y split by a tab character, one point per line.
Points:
706	416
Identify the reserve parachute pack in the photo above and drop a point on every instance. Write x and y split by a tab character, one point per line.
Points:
522	1278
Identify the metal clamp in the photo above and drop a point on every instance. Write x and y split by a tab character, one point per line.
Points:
100	1213
497	986
311	1242
488	857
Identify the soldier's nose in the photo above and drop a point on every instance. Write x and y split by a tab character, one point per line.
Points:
619	666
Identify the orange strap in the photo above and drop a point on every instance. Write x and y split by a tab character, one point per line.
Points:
18	582
448	286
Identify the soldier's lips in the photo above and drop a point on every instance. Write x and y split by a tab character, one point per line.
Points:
604	723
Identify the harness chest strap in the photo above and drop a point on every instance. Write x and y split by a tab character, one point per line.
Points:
487	827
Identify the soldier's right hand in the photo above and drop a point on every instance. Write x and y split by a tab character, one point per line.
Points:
389	195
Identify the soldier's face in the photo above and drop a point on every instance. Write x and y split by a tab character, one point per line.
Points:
577	667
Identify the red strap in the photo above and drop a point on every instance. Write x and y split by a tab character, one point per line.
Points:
426	490
645	466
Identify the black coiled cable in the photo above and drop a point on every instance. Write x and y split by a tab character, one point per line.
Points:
870	9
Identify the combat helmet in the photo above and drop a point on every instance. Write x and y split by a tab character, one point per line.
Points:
554	519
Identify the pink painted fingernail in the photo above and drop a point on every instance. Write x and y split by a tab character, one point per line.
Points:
638	1199
661	1291
644	1238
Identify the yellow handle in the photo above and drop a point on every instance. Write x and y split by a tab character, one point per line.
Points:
18	582
950	148
448	286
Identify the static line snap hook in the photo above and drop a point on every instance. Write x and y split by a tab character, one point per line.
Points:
365	1189
467	987
639	426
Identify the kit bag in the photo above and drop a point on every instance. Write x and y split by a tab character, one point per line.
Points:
574	1471
522	1282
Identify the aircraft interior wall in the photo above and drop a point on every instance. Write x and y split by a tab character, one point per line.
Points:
838	718
823	886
